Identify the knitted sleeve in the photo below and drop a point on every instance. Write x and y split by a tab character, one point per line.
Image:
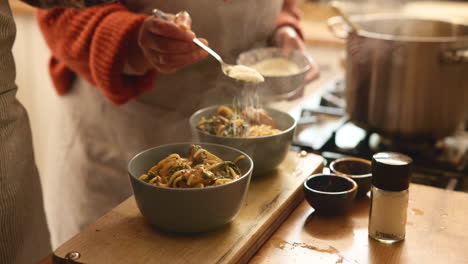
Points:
93	43
66	3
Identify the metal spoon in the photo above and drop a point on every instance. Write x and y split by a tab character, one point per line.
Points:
225	67
237	72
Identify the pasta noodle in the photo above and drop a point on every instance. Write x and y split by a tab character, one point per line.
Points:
200	169
229	122
261	131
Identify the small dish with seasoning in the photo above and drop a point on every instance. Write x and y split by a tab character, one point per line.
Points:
330	194
283	72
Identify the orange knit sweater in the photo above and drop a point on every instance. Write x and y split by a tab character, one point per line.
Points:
93	43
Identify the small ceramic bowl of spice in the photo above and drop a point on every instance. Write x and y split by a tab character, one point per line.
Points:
330	194
357	169
284	72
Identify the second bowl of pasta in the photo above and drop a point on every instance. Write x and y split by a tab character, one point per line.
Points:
187	187
265	134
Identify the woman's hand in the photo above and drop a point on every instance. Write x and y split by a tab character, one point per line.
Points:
287	38
166	45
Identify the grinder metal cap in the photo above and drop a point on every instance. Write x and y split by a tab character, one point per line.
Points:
391	171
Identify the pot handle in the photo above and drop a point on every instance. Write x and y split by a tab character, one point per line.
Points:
455	56
338	27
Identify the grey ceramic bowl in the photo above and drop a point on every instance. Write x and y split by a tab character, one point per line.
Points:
277	86
330	194
357	169
188	210
266	152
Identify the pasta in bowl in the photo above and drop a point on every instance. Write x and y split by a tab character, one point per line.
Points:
190	207
242	123
200	169
265	134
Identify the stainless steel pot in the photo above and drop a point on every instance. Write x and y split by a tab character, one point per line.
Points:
405	77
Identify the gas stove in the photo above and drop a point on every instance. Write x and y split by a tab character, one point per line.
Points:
324	129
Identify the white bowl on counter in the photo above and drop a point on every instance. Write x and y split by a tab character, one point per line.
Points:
278	86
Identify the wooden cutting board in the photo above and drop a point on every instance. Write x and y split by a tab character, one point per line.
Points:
124	236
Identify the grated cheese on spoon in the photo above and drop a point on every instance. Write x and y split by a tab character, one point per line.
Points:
244	73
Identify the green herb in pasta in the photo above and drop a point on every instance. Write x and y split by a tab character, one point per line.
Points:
200	169
229	122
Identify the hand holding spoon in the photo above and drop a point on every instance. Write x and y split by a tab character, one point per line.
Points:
238	72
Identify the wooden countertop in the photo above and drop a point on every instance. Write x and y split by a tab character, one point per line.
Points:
436	233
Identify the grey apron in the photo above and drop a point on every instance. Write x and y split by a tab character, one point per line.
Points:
85	169
24	237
